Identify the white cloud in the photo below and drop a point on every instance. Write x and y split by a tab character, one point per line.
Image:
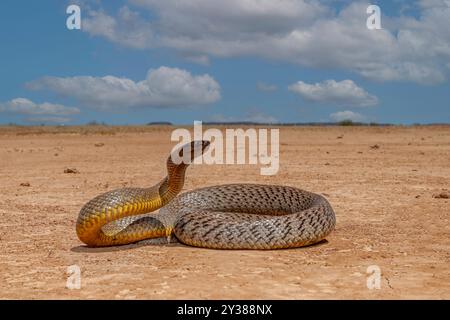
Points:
163	87
128	28
196	17
345	93
347	115
25	106
305	32
265	87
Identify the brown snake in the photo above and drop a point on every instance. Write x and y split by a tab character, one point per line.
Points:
235	216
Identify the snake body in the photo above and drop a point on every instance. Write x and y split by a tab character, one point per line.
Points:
235	216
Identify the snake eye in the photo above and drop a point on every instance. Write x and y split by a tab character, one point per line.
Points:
198	147
205	144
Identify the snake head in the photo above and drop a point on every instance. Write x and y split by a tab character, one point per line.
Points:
188	152
199	147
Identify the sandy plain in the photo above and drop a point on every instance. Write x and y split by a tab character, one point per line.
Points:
383	183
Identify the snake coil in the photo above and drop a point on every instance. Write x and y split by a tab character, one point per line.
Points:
235	216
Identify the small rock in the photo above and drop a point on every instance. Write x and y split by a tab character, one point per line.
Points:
375	146
71	170
442	195
25	184
100	144
327	164
340	137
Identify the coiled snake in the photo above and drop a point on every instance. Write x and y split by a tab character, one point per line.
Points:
236	216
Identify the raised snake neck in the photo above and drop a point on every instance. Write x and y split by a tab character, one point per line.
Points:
236	216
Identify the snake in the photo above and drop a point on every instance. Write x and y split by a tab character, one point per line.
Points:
231	216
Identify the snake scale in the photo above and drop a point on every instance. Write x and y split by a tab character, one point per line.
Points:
235	216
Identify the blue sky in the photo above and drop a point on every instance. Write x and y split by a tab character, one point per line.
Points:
137	61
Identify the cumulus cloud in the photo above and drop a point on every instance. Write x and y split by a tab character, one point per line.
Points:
28	107
305	32
347	115
163	87
344	92
128	28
